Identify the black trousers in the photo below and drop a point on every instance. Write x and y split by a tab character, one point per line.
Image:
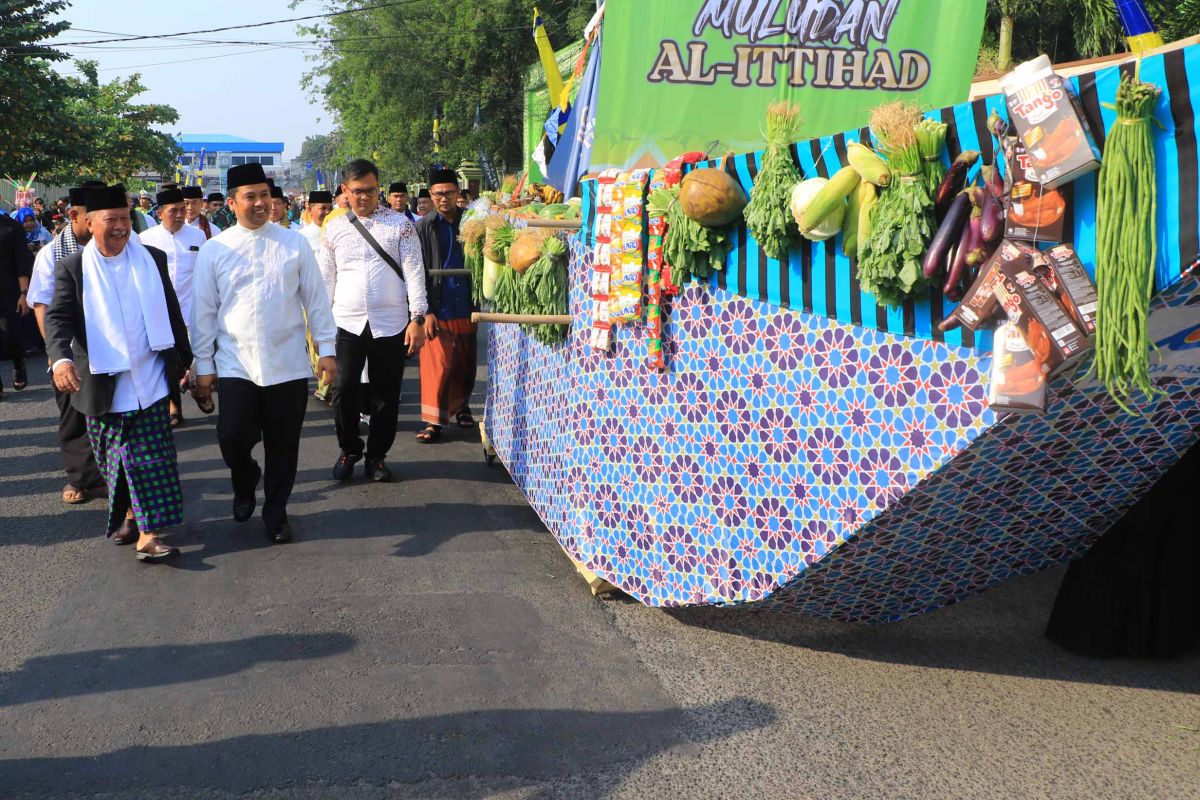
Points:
78	461
273	415
10	331
381	399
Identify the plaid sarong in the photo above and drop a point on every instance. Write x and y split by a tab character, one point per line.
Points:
135	451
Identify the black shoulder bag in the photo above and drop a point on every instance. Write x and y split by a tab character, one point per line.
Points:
366	234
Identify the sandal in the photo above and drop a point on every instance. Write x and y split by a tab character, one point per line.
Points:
176	420
204	409
20	378
430	435
72	496
465	419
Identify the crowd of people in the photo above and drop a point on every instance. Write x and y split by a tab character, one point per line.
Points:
238	300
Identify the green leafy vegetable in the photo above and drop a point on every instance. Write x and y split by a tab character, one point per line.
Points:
767	215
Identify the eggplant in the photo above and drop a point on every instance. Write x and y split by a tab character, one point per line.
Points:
966	242
991	226
994	181
947	234
955	180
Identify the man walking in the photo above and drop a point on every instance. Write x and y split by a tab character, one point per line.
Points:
181	243
193	211
371	261
116	339
83	476
320	203
398	200
16	263
449	356
254	285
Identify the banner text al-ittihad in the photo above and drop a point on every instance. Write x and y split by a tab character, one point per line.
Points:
678	74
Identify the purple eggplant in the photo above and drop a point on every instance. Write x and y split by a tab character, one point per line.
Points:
994	181
947	234
955	180
966	243
991	213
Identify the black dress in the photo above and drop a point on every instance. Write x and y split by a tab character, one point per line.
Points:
1136	593
15	262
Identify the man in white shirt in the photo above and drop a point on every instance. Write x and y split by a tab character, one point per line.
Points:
319	205
254	285
115	316
194	209
84	480
182	244
398	200
371	261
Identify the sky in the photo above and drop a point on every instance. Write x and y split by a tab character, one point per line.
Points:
247	91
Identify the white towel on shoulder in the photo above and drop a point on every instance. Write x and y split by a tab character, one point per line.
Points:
108	346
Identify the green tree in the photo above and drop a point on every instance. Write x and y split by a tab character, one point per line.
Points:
114	137
33	97
388	68
321	150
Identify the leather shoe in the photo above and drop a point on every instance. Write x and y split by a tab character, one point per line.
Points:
344	468
127	533
280	534
156	551
377	471
243	508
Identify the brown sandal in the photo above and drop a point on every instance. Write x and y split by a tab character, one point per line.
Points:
72	496
430	435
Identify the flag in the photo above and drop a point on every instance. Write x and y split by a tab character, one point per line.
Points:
554	81
1139	28
573	155
437	136
490	179
320	180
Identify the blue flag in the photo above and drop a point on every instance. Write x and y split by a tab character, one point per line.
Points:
573	152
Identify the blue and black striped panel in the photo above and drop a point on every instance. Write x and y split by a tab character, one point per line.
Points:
819	279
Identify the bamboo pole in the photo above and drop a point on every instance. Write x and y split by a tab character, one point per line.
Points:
522	319
561	224
447	273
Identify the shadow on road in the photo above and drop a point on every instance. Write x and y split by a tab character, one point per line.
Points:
125	668
450	754
995	633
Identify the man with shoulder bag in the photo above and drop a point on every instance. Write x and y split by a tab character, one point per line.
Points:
374	273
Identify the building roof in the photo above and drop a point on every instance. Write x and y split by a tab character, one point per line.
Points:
224	143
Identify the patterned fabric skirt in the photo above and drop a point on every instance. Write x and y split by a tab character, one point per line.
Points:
448	365
135	451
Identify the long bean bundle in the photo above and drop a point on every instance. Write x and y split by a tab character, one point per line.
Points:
471	234
767	216
543	290
1126	208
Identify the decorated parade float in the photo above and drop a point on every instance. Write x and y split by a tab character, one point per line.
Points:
889	358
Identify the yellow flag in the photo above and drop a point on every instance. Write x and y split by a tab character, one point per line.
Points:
554	81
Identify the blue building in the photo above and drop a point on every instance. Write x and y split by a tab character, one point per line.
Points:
221	151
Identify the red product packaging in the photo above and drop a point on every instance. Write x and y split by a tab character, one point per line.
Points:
1066	276
979	305
1018	385
1035	213
1053	337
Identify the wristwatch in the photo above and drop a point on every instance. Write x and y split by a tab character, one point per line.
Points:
419	319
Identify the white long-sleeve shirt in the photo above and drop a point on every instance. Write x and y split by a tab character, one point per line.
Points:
41	280
312	232
252	290
181	248
145	383
362	285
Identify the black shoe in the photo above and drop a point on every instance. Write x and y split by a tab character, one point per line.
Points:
243	508
376	470
280	534
344	468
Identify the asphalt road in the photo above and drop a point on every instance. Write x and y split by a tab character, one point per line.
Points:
429	639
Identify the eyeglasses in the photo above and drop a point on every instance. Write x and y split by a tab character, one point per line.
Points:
448	193
364	193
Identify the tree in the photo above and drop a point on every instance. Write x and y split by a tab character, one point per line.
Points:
113	136
33	97
389	67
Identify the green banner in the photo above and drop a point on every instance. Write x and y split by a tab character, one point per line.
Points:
677	76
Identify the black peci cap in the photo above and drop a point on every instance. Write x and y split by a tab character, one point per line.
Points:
320	197
102	198
244	175
398	188
192	193
168	196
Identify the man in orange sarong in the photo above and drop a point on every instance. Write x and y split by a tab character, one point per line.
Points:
451	345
